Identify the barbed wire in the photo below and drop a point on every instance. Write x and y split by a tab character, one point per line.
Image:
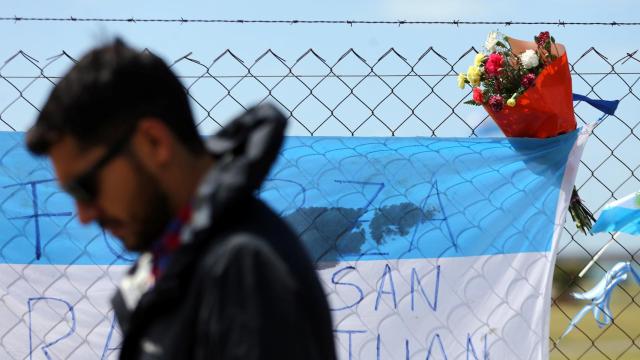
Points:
290	76
310	76
325	22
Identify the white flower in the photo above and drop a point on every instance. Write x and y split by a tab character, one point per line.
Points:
492	40
529	59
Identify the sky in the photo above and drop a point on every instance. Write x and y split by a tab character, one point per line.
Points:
205	42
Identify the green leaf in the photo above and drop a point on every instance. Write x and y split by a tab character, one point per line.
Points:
471	102
501	44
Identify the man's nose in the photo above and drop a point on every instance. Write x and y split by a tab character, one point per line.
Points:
87	212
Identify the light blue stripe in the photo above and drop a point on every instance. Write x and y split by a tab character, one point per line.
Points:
348	198
498	196
618	219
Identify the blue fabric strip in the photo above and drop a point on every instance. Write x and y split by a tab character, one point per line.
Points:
606	106
600	296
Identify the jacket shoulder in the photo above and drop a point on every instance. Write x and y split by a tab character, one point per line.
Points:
244	254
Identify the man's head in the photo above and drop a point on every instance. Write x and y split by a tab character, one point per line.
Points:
118	128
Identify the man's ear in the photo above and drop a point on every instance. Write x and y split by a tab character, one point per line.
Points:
154	142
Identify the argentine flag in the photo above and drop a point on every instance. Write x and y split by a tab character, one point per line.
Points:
427	248
620	216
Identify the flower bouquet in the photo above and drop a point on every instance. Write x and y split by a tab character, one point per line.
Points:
525	86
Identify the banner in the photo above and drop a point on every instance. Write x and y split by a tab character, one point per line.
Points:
428	248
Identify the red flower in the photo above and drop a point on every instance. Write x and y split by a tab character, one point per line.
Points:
477	95
542	38
494	64
527	81
496	102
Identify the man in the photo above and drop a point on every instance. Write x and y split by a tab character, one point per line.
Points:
220	276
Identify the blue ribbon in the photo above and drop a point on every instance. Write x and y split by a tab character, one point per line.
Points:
600	296
606	106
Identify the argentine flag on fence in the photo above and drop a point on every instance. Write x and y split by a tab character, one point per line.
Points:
428	248
620	216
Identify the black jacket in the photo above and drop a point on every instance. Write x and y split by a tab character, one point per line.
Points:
242	287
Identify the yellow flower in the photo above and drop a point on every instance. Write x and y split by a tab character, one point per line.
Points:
473	75
477	61
461	79
511	102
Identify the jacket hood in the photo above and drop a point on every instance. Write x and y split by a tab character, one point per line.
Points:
244	152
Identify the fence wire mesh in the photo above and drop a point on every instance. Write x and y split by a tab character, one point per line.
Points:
396	96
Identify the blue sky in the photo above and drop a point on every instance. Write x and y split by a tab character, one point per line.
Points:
172	40
206	41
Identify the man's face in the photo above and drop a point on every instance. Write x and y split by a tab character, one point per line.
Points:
128	202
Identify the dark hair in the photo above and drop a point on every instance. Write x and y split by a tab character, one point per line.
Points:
102	97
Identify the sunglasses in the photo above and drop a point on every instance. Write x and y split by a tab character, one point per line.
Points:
84	188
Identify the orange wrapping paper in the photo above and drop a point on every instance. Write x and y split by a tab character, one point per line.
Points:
544	110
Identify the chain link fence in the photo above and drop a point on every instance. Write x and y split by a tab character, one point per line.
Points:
397	96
